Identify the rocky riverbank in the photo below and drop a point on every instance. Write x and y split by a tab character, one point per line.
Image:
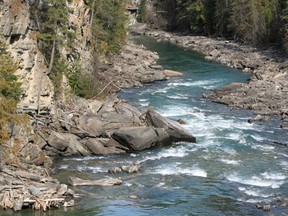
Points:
266	93
135	66
83	128
86	127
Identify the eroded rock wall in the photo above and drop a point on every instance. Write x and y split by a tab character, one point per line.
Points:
17	29
20	31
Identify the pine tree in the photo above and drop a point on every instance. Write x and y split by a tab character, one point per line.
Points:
10	93
285	25
253	19
142	11
109	21
223	11
9	87
53	27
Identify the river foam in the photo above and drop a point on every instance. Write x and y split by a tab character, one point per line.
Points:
255	181
229	161
179	151
176	169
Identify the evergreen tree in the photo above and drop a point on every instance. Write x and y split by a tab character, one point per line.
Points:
109	22
142	11
10	93
260	22
9	87
285	25
53	28
223	11
253	20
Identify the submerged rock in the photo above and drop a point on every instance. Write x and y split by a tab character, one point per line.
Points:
128	169
284	125
259	118
172	73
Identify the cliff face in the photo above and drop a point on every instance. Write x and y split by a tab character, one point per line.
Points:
20	32
80	22
15	25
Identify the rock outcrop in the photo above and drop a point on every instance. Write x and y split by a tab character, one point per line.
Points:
105	146
115	128
174	130
139	138
133	67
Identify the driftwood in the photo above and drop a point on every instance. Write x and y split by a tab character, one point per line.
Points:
18	203
31	201
31	188
30	176
101	182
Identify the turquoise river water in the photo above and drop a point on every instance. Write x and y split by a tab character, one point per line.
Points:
233	165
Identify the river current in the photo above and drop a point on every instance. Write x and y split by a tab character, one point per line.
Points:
233	165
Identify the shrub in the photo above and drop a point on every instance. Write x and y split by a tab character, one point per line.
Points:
83	85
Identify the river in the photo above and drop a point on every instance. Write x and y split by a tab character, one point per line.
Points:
233	165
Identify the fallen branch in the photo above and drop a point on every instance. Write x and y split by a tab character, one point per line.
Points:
31	201
103	89
101	182
11	187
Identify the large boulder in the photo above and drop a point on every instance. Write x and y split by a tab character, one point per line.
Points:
175	131
64	144
33	154
139	138
91	124
138	28
116	114
102	146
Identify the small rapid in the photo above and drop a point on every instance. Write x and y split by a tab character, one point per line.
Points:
233	165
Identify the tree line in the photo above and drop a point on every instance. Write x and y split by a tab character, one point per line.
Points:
261	22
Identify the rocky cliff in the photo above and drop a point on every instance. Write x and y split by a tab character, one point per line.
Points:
20	32
20	27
